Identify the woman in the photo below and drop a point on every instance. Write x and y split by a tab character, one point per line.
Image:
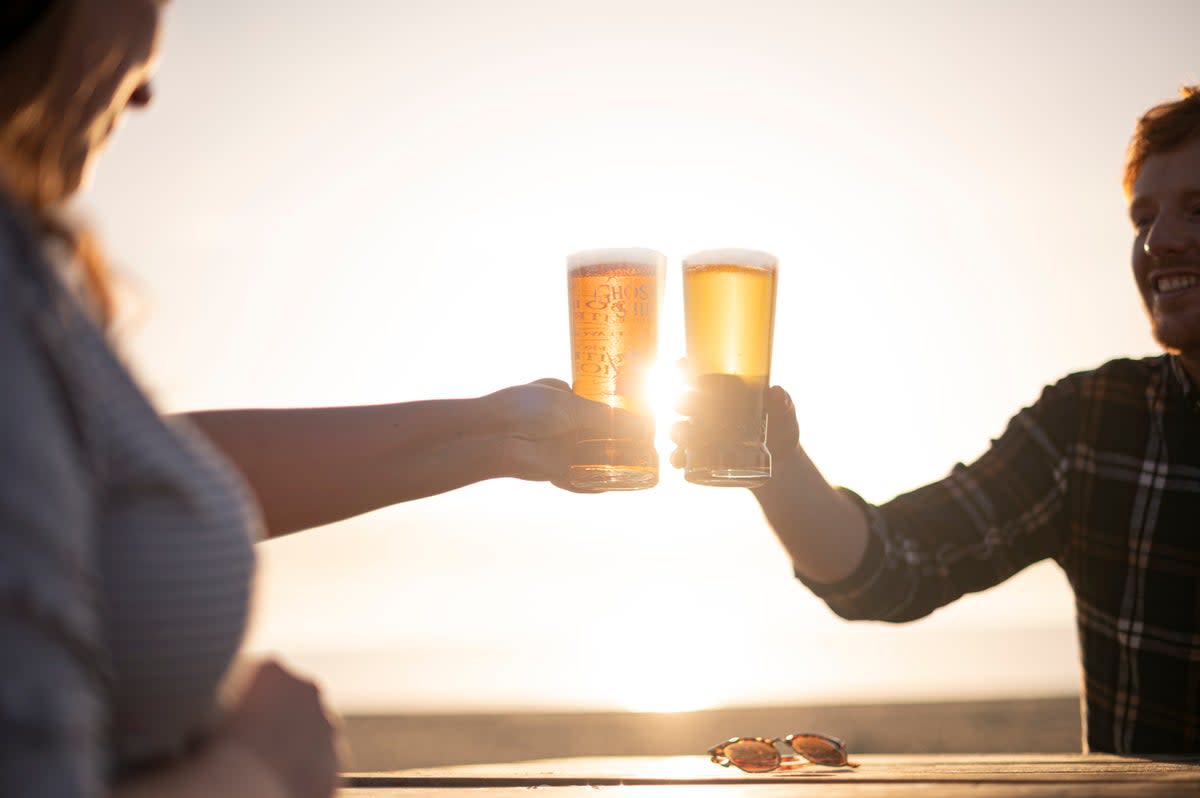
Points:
125	537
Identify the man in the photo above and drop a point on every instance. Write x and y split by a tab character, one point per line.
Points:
1102	474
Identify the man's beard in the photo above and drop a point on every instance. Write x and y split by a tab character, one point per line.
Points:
1177	335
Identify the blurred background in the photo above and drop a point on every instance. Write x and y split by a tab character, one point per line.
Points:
372	201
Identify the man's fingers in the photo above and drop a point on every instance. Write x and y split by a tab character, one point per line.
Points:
678	458
688	403
680	432
783	431
779	401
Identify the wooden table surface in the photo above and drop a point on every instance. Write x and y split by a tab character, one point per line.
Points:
980	775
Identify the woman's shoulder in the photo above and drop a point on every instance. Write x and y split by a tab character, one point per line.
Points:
21	260
31	333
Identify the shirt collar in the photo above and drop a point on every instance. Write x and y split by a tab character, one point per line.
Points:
1184	382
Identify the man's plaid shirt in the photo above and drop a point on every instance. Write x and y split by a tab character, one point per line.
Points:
1102	474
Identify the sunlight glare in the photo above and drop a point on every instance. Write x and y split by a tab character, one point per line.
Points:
662	666
666	385
665	698
658	682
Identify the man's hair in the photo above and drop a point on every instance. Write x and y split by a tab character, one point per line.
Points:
1163	128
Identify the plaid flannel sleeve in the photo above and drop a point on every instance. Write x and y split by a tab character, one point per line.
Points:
971	530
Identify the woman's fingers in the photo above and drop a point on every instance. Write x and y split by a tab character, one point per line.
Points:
552	382
282	720
597	418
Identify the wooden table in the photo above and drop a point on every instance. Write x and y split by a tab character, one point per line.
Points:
895	776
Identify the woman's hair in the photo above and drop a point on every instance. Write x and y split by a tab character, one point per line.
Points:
32	65
1161	129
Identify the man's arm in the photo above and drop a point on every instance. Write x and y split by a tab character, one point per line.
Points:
923	549
821	529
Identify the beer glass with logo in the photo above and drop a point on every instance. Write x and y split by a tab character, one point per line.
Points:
613	296
729	319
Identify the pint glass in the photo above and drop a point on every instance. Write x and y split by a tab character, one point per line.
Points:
729	318
613	297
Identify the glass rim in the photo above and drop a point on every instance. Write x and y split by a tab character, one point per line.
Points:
732	256
634	256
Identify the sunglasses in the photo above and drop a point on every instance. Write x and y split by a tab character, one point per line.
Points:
760	754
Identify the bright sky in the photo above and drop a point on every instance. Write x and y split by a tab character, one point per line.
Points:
372	200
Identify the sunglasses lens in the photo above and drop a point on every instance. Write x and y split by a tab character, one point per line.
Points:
753	756
819	749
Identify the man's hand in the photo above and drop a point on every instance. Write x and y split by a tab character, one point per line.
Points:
783	431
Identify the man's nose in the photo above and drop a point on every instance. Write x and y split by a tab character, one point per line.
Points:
142	95
1171	234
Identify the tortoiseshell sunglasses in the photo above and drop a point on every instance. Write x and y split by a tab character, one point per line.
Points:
760	754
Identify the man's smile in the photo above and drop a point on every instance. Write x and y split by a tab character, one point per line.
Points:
1174	282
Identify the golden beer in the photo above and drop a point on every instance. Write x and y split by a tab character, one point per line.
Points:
729	319
613	297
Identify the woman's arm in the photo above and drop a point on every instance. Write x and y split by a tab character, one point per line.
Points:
277	741
223	768
313	466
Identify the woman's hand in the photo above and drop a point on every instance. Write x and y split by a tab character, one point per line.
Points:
282	722
783	431
541	422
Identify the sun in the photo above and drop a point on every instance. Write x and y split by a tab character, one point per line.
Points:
665	386
664	697
654	681
651	664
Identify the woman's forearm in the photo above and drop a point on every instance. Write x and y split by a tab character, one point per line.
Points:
314	466
823	531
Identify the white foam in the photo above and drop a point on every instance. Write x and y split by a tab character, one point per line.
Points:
637	256
732	256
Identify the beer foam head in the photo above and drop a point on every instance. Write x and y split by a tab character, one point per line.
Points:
732	257
631	256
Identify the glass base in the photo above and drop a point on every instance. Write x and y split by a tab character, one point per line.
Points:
607	477
617	464
727	477
747	466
